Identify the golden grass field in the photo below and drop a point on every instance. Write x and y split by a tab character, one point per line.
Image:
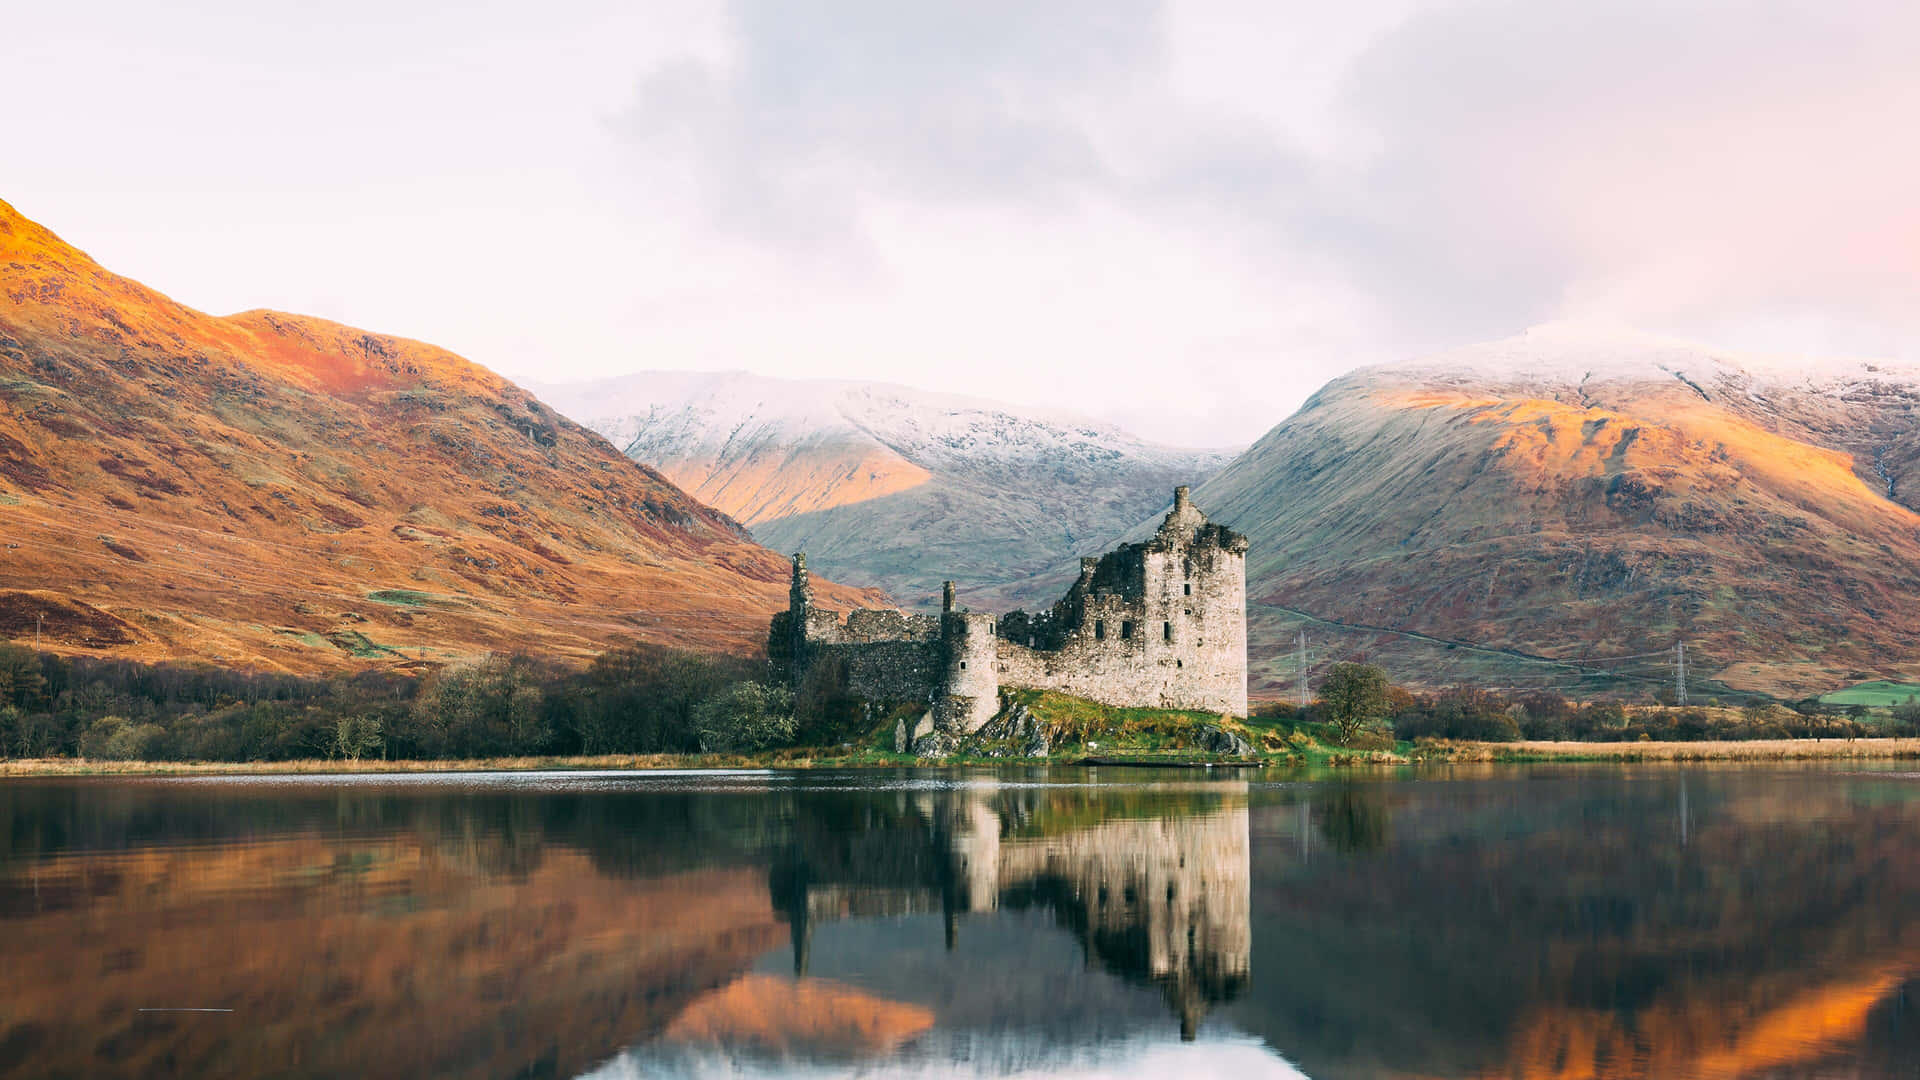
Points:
1748	750
87	767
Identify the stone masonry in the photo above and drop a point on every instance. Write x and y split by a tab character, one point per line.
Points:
1158	624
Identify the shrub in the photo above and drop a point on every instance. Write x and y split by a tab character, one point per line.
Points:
1372	737
1458	713
1548	728
115	738
1905	717
357	736
494	706
22	681
641	698
1279	712
1604	721
747	716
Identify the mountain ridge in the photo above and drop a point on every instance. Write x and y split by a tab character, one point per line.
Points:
289	492
1520	497
890	486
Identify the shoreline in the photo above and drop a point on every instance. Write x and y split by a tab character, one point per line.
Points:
1759	750
1879	749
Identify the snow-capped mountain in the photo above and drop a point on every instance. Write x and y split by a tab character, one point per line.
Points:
1568	494
888	485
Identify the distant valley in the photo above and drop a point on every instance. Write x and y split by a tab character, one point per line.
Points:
892	487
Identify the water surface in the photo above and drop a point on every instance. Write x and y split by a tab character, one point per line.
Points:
1487	922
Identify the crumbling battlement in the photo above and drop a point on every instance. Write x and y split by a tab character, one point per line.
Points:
1158	624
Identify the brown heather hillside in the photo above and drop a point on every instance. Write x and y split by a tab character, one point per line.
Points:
1505	513
468	970
283	491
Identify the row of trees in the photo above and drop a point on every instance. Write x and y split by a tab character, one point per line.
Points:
635	699
645	699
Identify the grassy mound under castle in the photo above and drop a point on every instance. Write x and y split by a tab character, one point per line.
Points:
1046	726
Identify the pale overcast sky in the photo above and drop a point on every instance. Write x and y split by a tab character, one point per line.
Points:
1182	215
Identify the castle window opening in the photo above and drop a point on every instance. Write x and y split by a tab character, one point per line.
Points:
1189	587
963	665
1166	631
1099	629
1126	629
1189	611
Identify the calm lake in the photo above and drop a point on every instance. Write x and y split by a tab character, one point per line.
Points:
1473	922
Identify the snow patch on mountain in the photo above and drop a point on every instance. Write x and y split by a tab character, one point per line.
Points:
668	415
1565	354
892	486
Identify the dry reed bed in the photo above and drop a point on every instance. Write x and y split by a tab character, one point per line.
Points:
85	767
1749	750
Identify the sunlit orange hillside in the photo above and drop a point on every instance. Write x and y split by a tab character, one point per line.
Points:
465	970
1515	512
283	491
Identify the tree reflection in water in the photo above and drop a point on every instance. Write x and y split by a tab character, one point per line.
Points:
1618	922
1353	816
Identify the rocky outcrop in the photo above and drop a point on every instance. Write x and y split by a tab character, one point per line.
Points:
1216	740
936	744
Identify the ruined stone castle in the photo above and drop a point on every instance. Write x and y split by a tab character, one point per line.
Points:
1158	624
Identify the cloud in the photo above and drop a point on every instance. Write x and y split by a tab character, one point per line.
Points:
826	107
1637	160
1184	213
1392	176
1011	200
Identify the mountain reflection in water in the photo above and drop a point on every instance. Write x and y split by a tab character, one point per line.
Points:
1543	923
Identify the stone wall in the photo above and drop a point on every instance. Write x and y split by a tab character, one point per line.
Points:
885	670
1159	624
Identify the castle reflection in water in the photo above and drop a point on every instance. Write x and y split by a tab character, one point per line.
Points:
1159	895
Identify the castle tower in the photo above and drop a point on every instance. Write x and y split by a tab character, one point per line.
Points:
787	632
1184	518
800	593
1194	593
970	679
